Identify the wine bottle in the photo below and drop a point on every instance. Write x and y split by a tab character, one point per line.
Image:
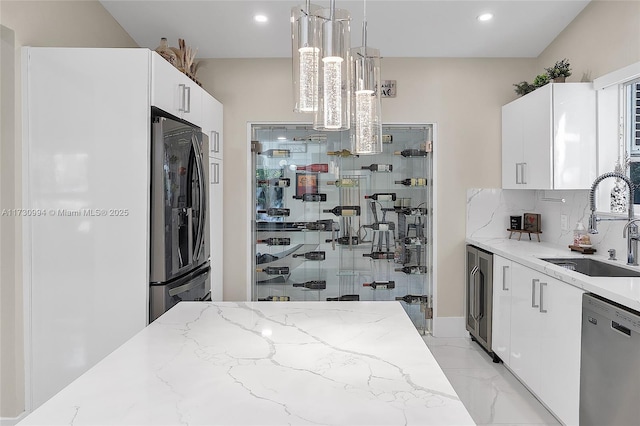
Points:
344	298
413	211
274	270
381	285
311	197
275	211
413	270
411	298
275	241
320	225
342	153
345	183
276	153
319	168
344	210
312	255
411	153
275	299
345	241
312	285
381	226
413	182
379	167
383	196
277	182
379	255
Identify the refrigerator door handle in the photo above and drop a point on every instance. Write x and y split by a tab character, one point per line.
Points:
201	189
188	286
190	235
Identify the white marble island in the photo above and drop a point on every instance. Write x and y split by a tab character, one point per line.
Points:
265	363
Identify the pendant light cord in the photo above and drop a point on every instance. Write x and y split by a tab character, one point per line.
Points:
364	26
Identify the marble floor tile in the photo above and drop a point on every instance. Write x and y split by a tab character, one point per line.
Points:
491	394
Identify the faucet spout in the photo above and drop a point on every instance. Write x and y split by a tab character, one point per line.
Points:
593	219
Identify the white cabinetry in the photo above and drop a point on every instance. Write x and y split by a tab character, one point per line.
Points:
545	339
86	147
501	324
549	138
212	126
174	92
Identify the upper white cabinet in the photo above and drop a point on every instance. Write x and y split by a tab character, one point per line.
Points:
174	92
549	138
212	126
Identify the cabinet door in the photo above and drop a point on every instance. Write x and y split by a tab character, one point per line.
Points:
574	136
212	120
524	359
174	92
561	316
216	228
501	329
512	131
537	139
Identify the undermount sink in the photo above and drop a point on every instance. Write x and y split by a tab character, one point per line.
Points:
593	268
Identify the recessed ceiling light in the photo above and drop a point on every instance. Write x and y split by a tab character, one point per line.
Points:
485	17
282	138
260	18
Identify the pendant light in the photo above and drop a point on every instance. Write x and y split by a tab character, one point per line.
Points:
366	126
305	43
333	113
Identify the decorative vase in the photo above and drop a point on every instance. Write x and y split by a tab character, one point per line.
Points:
165	51
559	79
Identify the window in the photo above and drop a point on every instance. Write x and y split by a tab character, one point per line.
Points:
631	126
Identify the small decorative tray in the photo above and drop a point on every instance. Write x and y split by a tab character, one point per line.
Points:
583	250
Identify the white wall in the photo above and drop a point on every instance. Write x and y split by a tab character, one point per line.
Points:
463	96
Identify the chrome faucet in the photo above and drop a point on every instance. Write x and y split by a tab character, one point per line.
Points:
630	230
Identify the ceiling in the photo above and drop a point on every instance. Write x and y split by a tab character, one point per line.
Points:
427	28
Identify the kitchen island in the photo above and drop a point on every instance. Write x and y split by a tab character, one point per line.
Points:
265	363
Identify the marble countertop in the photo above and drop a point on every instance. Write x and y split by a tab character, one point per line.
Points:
265	363
623	290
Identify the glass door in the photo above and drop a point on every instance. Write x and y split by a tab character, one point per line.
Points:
333	226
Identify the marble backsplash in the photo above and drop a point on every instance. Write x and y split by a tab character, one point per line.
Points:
488	212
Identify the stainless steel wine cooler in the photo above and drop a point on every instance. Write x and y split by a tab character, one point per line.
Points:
333	226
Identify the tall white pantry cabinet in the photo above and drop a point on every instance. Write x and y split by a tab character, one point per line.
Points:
86	179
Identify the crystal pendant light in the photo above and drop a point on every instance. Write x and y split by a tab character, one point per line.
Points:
305	52
333	112
366	125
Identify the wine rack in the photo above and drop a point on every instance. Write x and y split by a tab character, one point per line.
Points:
333	226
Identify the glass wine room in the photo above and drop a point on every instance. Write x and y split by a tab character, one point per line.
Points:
333	226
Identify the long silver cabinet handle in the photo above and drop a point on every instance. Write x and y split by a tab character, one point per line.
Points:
504	278
517	173
523	175
542	309
183	100
188	108
533	293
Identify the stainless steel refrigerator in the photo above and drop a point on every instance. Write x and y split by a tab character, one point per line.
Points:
179	237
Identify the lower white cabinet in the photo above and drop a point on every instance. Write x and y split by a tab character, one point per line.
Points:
501	324
545	339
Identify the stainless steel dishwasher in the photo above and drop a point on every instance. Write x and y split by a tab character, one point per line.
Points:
610	363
